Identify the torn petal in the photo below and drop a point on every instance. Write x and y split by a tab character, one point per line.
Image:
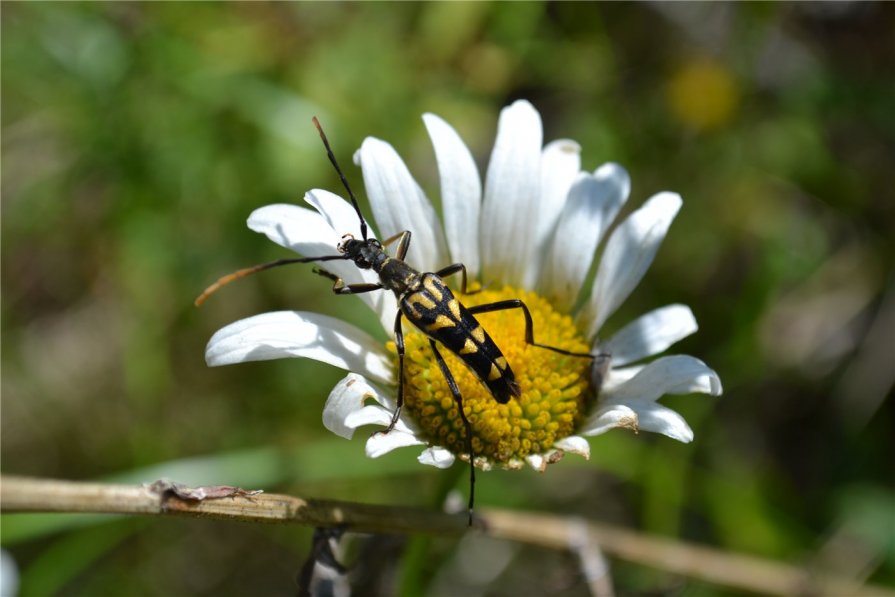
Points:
437	456
574	444
660	419
609	417
349	396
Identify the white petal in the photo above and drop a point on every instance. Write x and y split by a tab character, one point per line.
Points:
651	334
369	415
639	416
560	163
609	417
437	456
9	575
594	201
342	218
338	213
483	464
297	228
514	464
706	383
349	396
310	234
679	374
617	377
512	189
574	444
461	193
379	415
382	443
537	462
659	419
283	334
399	204
600	368
629	253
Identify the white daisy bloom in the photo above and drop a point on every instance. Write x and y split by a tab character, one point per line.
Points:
530	232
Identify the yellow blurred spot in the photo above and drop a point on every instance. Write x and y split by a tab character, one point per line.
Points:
702	95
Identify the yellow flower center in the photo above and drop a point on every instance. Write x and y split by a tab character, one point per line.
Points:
554	386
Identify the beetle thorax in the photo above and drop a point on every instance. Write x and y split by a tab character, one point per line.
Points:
397	276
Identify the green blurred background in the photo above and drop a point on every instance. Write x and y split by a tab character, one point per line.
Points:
138	137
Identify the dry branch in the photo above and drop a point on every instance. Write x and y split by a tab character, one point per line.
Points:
20	494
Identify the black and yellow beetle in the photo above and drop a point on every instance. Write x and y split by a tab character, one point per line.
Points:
426	302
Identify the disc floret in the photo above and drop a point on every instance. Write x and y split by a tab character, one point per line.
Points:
555	387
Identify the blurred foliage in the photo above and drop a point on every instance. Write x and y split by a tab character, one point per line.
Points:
137	137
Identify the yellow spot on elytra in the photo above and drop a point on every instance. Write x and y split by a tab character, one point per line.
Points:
433	288
555	388
454	306
414	312
479	334
494	373
418	298
442	321
469	347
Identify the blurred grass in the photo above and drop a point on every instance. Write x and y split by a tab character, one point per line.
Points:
138	137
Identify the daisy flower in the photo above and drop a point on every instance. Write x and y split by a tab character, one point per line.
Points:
530	232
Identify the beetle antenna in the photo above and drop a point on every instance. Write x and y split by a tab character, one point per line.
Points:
332	158
248	271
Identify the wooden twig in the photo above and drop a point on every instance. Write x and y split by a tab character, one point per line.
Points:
21	494
707	564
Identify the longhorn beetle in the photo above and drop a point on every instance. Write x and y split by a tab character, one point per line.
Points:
426	302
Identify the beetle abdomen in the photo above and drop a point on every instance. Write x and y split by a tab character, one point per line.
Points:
432	308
